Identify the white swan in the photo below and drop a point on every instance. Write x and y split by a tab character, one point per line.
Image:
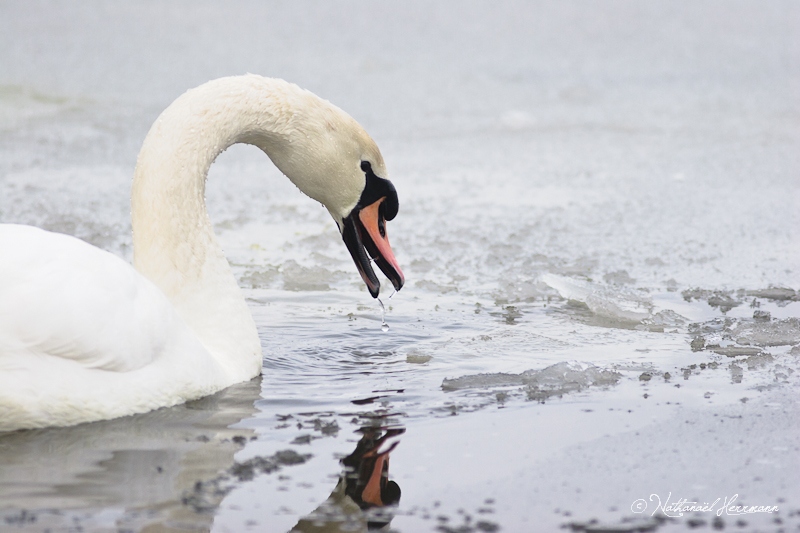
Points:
84	336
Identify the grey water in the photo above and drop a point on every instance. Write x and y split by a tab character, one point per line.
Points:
598	227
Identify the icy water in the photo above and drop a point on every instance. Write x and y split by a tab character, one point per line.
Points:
598	226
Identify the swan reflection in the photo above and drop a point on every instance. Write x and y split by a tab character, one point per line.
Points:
364	498
131	473
171	469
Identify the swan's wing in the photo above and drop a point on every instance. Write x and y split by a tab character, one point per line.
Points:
60	296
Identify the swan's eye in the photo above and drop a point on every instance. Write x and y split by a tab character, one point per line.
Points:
365	166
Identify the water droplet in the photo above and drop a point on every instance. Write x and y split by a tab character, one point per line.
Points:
384	325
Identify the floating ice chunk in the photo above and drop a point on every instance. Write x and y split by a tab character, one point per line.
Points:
417	357
482	381
724	300
571	289
663	319
569	376
771	333
776	293
554	380
733	351
616	303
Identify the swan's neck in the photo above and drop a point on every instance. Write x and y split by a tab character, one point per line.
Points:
174	242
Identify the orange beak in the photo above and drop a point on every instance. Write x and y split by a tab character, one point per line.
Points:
364	231
374	224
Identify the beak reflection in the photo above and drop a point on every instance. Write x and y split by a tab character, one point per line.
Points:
364	497
367	469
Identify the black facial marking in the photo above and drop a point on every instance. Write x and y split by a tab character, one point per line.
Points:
377	188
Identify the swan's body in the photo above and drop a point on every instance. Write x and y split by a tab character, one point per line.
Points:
84	336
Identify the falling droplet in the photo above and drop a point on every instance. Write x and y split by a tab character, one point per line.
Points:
384	325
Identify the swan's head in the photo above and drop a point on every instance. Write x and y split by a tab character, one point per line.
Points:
330	157
364	229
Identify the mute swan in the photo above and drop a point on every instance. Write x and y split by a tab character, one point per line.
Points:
84	336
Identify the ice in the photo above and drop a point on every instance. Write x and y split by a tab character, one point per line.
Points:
776	293
662	319
418	357
482	381
735	337
771	333
555	380
616	303
724	300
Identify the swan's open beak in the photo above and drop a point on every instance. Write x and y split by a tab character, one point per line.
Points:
364	230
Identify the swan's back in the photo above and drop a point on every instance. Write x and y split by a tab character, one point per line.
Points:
75	322
44	274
